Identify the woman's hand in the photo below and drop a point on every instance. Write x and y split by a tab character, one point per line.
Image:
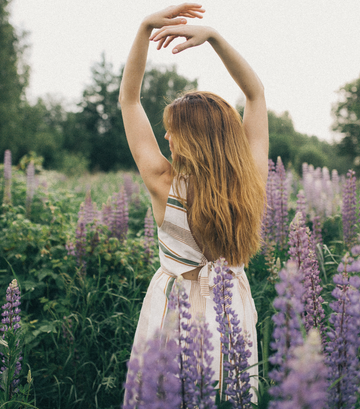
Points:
172	15
195	35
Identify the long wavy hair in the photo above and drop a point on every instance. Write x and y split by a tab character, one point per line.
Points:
210	145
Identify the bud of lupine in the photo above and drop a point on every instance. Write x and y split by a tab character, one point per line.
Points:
281	205
11	319
30	186
234	342
344	341
287	330
149	241
7	177
349	210
306	384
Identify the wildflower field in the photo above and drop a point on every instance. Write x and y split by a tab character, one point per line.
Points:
79	253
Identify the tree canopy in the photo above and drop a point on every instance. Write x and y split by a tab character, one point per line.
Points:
346	114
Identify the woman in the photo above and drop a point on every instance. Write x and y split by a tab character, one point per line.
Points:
209	202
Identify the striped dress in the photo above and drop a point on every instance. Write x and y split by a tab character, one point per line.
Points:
179	253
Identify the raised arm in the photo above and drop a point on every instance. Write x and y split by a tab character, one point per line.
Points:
255	114
153	166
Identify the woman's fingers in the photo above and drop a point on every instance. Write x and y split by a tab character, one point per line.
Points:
167	31
167	41
188	10
183	46
158	34
160	43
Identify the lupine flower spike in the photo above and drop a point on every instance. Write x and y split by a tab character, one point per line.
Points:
153	378
306	382
344	340
194	355
234	341
287	330
302	252
11	356
349	210
268	226
281	205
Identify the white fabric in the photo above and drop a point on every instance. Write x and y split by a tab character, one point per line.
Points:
179	253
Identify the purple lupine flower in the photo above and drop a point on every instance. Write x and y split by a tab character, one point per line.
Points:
121	215
344	341
316	231
199	385
30	186
89	211
80	242
7	177
107	215
128	186
195	361
301	204
335	181
179	307
302	252
136	195
327	192
306	383
281	205
268	226
321	193
149	241
349	210
287	330
154	384
11	323
234	342
71	249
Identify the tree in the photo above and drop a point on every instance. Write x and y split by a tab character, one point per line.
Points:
161	86
13	81
97	131
346	113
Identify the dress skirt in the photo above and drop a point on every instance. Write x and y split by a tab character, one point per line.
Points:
154	309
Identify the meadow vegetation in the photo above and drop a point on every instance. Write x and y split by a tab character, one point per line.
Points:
83	252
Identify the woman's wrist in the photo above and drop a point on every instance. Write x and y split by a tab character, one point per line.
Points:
146	25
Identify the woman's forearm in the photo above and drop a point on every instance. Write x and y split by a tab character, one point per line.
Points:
135	66
237	67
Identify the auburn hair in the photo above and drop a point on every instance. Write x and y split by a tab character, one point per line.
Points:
228	198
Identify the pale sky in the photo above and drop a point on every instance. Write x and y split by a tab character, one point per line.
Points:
303	51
